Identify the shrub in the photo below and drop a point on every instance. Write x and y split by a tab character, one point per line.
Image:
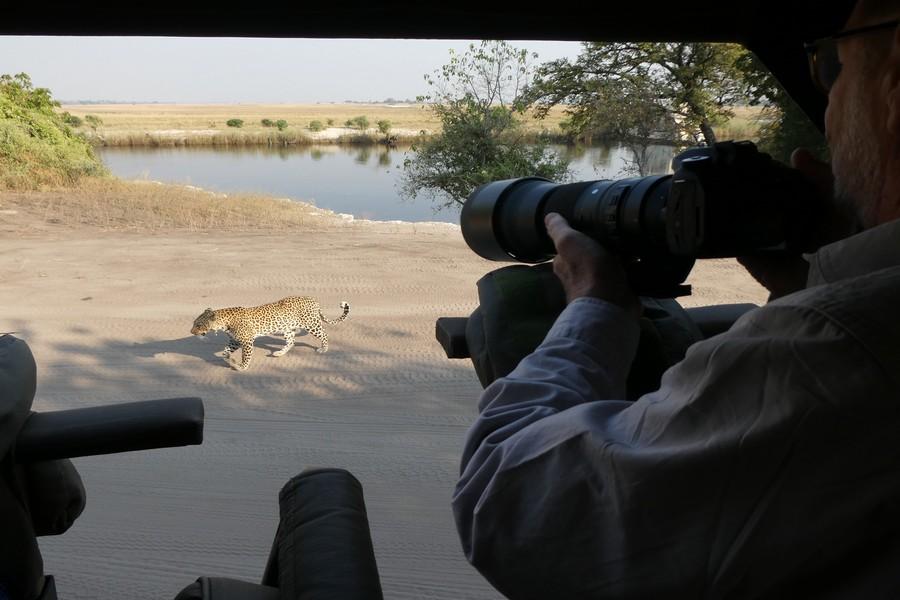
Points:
235	122
70	119
268	123
281	124
360	122
315	126
384	126
329	122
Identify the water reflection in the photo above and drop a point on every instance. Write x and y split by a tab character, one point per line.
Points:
617	161
363	155
603	157
345	179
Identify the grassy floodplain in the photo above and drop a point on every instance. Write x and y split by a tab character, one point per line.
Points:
205	124
744	125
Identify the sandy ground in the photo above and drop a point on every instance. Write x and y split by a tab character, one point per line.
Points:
107	316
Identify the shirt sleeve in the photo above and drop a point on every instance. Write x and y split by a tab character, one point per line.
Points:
710	487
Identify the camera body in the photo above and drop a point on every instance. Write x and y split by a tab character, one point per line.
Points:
724	200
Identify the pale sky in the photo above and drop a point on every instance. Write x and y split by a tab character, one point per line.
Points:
232	70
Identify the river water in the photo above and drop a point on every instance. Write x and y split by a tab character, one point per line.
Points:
357	180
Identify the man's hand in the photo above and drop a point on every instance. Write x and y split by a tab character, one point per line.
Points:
785	275
586	268
781	275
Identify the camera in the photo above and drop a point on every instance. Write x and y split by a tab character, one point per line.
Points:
725	200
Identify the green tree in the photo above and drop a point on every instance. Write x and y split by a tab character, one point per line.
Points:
476	98
37	146
315	126
783	125
19	90
671	93
267	123
281	124
232	122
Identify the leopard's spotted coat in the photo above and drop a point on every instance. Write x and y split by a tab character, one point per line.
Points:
246	324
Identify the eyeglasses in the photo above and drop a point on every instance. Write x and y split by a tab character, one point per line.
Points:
824	65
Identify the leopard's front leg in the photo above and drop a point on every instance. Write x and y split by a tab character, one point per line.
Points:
288	344
233	345
246	352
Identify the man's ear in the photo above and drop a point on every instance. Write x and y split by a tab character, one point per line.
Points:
892	85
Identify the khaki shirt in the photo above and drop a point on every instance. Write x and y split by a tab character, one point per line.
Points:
766	465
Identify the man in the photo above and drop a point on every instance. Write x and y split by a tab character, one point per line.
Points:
768	463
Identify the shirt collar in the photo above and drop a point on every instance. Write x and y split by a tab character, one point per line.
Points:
871	250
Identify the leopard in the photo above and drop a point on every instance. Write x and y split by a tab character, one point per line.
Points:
285	316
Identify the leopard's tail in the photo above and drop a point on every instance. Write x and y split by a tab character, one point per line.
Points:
345	306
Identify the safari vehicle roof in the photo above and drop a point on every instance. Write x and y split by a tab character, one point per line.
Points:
774	29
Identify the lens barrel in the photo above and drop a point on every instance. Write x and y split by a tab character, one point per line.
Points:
504	220
501	220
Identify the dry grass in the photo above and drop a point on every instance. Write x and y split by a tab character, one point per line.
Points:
158	117
744	125
108	203
225	139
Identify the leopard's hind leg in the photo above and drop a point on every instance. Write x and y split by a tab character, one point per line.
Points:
318	332
288	344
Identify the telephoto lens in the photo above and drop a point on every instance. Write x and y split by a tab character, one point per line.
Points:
723	200
504	220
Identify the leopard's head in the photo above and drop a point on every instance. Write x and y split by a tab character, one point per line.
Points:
206	322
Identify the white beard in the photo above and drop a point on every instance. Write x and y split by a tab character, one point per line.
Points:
857	165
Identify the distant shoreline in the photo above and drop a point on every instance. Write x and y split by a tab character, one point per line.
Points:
205	125
173	125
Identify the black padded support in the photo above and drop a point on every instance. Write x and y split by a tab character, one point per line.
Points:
450	333
324	545
225	588
49	591
713	320
109	429
55	495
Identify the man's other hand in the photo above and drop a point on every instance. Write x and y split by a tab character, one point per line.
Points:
587	269
783	275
